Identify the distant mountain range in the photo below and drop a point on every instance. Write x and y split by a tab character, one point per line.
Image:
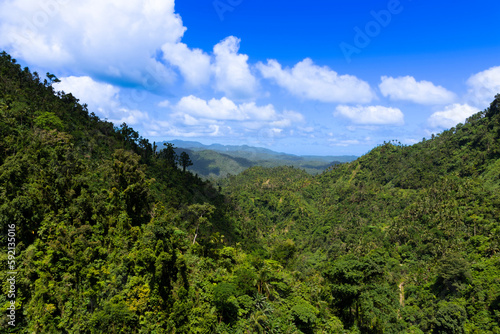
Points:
216	160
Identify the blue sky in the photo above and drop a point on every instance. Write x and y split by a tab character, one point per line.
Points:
319	77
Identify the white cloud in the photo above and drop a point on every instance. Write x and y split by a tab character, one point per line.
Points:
313	82
422	92
223	109
191	110
193	64
129	116
374	115
102	99
288	119
134	41
193	115
162	129
254	112
231	70
484	86
113	38
451	115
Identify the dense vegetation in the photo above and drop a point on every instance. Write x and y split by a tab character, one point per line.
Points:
112	237
213	162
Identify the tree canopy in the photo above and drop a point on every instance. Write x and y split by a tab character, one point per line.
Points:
114	237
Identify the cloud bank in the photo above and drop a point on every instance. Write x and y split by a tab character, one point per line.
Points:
484	86
421	92
451	116
371	115
309	81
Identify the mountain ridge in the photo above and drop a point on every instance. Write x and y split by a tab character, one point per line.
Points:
217	161
194	145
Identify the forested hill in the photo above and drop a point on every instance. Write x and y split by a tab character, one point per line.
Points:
218	161
102	224
111	237
407	238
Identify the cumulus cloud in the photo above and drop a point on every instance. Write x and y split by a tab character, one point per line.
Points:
483	86
231	70
408	89
223	109
192	110
193	64
373	115
111	38
195	117
254	112
451	115
313	82
102	99
134	41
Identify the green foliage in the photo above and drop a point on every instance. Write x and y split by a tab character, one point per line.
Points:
450	318
225	298
218	164
454	275
284	251
245	280
169	155
112	237
304	315
363	293
49	121
114	317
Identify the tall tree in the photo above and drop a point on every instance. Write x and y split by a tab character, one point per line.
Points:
185	161
155	154
168	153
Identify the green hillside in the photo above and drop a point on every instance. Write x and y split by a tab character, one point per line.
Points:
213	165
259	153
108	236
406	237
217	161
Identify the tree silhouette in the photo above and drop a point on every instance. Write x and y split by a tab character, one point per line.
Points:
169	155
185	161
